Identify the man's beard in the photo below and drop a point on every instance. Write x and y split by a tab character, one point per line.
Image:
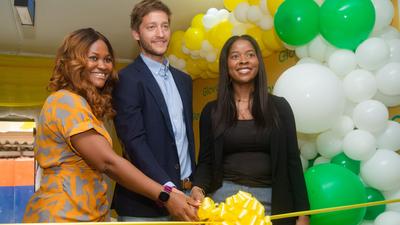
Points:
149	50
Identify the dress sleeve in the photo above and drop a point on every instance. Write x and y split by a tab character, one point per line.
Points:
295	169
204	170
74	115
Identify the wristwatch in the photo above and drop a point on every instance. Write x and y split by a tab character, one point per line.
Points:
163	197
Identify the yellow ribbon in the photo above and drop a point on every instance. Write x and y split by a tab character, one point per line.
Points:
242	208
239	209
332	209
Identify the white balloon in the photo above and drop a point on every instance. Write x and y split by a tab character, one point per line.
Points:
390	138
211	56
359	85
254	13
329	51
388	79
308	150
381	171
315	95
209	21
367	222
307	137
181	64
304	163
370	115
388	100
203	53
372	53
394	45
241	12
232	19
387	33
342	61
317	48
388	218
302	51
263	6
343	126
206	46
319	2
308	60
389	195
222	15
349	108
321	160
172	58
239	29
185	50
212	11
384	12
195	54
329	144
266	22
290	47
359	145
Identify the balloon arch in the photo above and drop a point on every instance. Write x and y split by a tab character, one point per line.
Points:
340	90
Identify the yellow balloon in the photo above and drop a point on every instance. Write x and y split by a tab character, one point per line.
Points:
273	5
177	36
231	4
218	35
266	52
193	38
202	64
254	2
214	66
212	75
256	33
175	45
192	67
271	40
197	21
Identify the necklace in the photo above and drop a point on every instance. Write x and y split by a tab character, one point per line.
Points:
242	100
243	110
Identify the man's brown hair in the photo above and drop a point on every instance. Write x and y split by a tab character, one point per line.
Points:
145	7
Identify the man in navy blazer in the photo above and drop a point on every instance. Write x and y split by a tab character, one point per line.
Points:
153	102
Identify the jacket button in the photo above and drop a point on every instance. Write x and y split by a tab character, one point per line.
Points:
177	166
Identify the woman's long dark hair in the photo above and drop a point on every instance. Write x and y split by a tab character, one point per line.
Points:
263	109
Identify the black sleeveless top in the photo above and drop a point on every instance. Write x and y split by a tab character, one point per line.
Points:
247	158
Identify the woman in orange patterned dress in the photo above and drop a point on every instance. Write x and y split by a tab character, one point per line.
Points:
73	147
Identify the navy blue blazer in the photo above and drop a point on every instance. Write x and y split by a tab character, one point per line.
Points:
144	127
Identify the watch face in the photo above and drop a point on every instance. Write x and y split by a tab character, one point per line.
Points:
163	197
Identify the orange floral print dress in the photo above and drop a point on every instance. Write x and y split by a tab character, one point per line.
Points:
70	190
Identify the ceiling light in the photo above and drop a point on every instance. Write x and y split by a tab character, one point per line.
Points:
26	11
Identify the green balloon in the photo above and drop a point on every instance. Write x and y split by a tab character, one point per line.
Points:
372	196
346	23
330	185
297	21
341	159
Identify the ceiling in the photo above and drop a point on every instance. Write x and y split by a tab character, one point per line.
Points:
56	18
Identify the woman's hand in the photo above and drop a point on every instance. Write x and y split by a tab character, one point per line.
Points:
181	207
303	220
197	194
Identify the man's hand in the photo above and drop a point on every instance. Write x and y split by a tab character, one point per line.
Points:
197	194
303	220
181	207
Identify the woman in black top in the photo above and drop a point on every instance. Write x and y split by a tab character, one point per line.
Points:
248	138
